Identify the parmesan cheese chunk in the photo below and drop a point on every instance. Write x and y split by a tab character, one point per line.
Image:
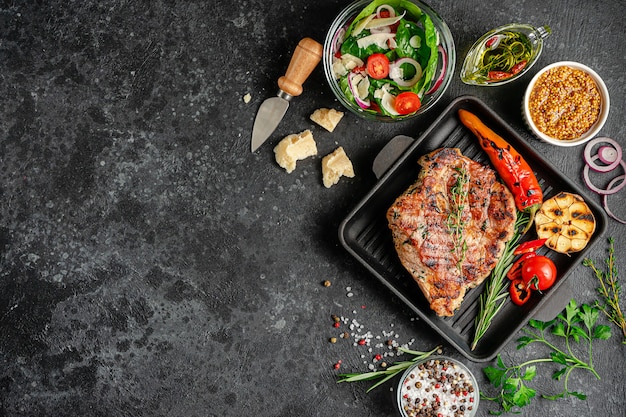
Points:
293	148
334	166
327	118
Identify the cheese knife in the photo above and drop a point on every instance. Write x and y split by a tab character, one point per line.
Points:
305	58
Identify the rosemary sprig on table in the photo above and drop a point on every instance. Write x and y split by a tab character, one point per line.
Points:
609	290
389	372
494	295
455	223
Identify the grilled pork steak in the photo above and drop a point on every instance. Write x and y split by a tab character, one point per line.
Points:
451	226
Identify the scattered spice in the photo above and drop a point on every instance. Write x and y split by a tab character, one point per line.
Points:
326	283
374	347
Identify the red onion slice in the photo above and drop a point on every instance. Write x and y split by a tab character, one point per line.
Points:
442	74
608	155
590	161
605	199
609	189
364	103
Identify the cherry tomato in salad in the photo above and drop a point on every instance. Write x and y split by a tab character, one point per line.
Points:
519	292
407	102
378	66
539	273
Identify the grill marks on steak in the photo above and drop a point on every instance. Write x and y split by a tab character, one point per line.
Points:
421	220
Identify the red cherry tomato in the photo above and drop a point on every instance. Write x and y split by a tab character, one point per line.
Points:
519	292
539	273
407	102
378	66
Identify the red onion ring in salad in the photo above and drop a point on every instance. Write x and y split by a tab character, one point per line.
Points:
604	191
605	198
444	64
603	155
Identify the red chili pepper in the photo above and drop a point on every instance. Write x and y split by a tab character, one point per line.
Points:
498	75
513	169
518	67
530	246
516	269
519	292
491	41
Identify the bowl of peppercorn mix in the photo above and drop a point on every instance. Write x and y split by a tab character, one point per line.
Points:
438	386
566	104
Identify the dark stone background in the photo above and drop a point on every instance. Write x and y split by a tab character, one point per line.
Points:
150	265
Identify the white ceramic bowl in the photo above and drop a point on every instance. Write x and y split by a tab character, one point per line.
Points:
593	130
428	379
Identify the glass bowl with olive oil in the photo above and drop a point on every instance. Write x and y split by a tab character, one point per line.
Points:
503	54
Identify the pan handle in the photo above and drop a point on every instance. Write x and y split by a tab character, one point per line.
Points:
558	302
390	154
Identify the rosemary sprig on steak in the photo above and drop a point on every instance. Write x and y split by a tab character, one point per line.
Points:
494	295
456	224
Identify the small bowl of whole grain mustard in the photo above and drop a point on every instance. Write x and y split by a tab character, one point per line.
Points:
566	104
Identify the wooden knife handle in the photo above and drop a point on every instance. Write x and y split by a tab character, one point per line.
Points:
303	61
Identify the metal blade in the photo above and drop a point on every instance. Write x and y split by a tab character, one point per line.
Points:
267	119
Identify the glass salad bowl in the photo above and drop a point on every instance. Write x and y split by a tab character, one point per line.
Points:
388	60
503	54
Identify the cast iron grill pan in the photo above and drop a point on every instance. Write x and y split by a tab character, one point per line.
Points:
365	234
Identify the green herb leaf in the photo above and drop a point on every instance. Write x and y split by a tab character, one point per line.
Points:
529	373
559	330
558	357
524	341
577	332
540	325
512	384
494	375
554	397
523	396
500	362
559	373
578	395
602	332
571	310
589	316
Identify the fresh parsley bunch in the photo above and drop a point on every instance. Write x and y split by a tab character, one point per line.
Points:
575	325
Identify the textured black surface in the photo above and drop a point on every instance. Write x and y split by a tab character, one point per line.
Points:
150	265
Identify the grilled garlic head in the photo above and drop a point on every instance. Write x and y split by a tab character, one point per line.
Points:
566	221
